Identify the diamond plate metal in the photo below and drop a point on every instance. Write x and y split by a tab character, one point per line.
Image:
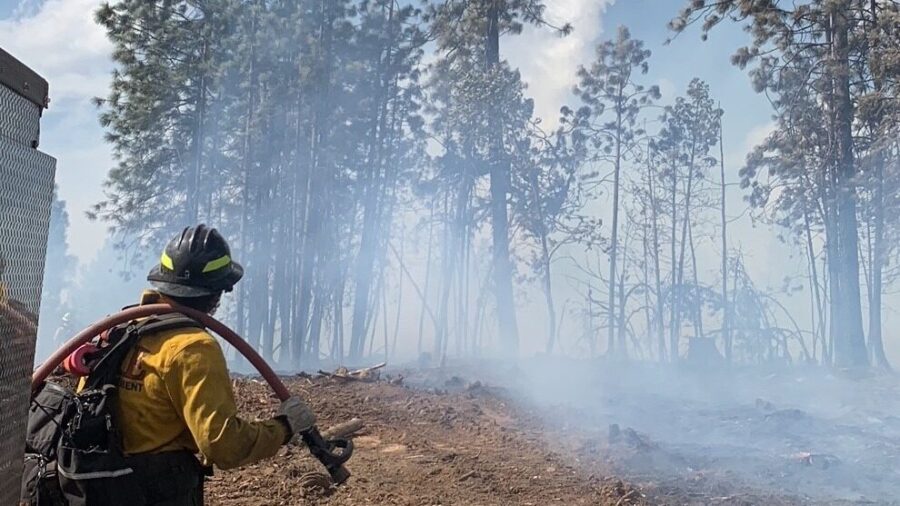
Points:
26	185
20	120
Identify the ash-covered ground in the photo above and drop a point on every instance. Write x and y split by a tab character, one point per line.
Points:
808	435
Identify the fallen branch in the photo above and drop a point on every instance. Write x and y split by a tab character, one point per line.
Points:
364	374
332	375
368	370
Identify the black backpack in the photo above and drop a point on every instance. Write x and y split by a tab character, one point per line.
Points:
72	439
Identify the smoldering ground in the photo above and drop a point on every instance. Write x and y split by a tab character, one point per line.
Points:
808	434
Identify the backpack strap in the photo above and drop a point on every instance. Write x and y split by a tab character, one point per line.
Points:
107	370
169	321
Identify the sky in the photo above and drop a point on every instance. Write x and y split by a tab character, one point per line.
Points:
59	39
72	52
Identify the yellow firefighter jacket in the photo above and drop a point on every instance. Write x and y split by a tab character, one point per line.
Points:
175	394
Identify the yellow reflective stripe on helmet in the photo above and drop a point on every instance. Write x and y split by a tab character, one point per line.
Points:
166	261
217	264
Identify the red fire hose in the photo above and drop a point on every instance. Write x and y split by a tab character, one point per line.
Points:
321	449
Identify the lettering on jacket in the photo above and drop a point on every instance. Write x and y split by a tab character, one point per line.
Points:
132	377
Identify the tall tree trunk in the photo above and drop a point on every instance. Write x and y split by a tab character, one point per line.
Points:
876	344
194	194
364	271
819	312
465	285
499	176
317	183
655	254
645	272
247	151
315	328
337	343
428	267
850	341
373	184
546	279
461	241
300	246
698	304
399	292
726	307
877	250
674	308
614	241
622	349
448	263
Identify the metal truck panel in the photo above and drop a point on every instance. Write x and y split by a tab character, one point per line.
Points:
15	76
26	188
21	122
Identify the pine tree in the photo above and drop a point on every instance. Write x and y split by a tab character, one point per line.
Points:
481	106
807	57
690	130
612	102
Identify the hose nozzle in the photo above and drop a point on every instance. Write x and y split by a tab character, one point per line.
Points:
332	453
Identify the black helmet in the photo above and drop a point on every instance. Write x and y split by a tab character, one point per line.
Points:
195	264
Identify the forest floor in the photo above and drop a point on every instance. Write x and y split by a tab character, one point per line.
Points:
418	447
596	434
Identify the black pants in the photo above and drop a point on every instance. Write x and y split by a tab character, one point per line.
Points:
163	479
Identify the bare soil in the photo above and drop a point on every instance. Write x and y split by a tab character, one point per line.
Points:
419	447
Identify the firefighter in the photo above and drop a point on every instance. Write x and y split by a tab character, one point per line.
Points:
175	397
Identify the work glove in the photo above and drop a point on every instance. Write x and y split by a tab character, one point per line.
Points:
297	415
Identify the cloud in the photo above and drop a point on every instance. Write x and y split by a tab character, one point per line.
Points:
547	61
59	40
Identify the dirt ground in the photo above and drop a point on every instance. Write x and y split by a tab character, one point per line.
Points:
462	445
482	436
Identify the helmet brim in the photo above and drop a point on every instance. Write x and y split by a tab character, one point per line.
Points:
176	290
223	284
